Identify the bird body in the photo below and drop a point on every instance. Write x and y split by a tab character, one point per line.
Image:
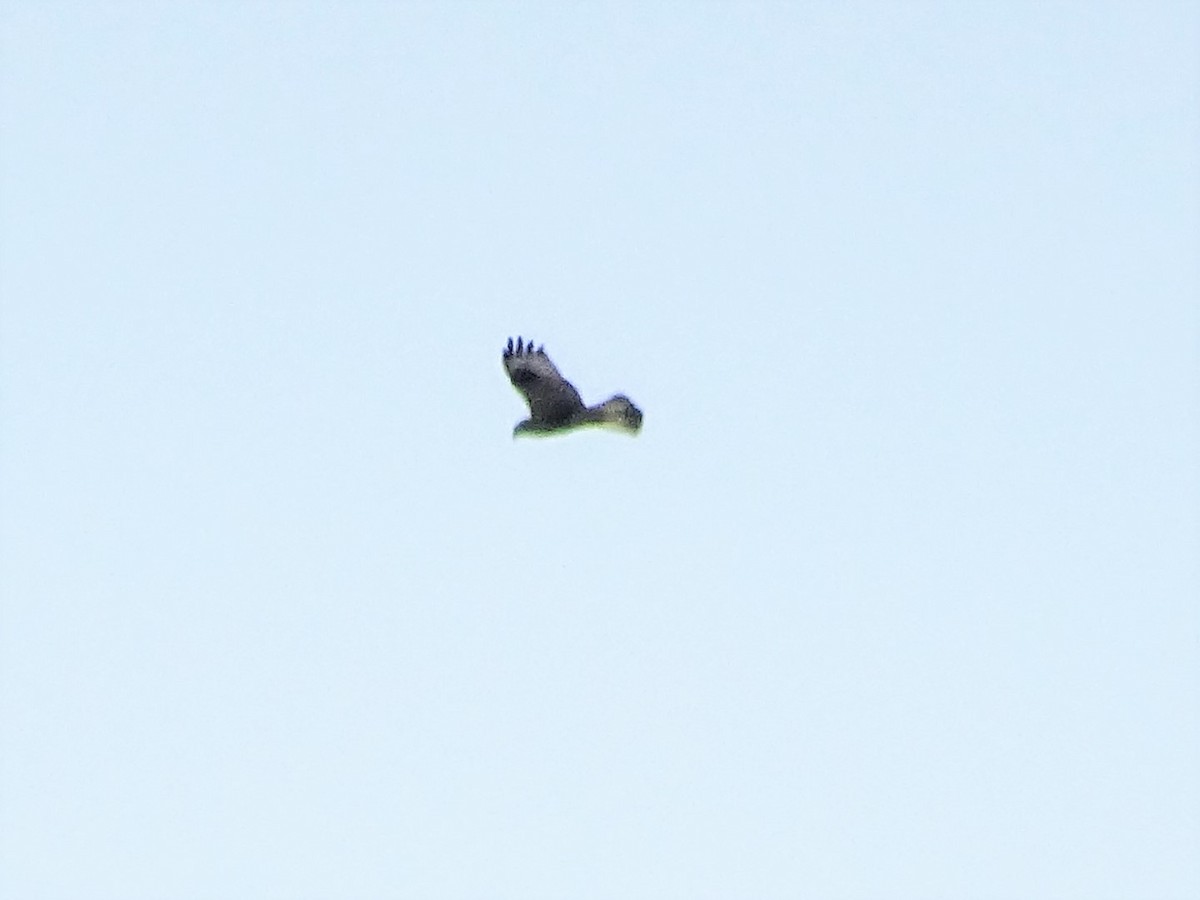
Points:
555	406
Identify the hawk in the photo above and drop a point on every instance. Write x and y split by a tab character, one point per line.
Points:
555	407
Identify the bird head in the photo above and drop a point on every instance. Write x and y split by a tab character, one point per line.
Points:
621	412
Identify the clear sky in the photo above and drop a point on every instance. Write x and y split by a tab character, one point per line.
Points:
897	595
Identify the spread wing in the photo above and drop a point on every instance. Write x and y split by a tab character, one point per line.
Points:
551	397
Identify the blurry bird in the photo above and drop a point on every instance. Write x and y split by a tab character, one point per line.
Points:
555	406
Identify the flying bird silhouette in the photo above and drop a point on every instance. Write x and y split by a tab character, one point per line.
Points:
555	406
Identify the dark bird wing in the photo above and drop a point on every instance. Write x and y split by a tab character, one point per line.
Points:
551	397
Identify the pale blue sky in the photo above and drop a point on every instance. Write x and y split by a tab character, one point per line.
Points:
895	596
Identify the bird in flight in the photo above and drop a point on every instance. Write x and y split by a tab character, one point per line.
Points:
555	407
